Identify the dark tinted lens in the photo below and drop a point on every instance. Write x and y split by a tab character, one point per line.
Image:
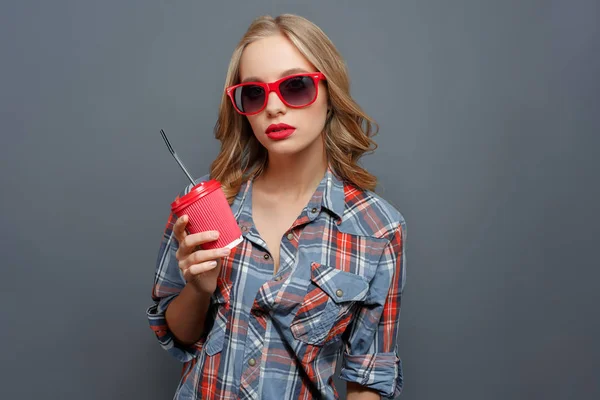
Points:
249	98
298	91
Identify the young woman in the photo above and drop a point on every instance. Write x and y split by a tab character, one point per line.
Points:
321	267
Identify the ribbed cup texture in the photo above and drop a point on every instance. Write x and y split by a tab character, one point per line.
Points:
212	213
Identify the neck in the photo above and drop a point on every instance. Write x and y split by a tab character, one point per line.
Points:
295	175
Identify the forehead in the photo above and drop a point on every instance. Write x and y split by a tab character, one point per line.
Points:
266	59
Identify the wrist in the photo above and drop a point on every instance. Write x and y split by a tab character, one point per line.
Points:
200	292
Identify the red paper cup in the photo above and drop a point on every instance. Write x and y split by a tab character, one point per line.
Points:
208	210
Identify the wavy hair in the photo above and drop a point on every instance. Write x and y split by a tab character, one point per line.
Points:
348	130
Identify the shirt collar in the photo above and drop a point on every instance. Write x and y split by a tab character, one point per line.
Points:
329	195
333	193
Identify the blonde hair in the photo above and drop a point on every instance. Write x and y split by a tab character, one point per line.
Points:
348	130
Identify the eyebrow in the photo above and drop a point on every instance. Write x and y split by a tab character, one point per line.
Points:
284	73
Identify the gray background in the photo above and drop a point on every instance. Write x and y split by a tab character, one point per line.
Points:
488	146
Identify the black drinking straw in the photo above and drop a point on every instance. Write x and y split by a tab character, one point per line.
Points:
164	136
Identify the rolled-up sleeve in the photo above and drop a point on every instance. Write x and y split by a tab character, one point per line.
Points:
371	356
168	283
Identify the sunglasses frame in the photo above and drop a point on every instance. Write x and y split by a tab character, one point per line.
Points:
274	87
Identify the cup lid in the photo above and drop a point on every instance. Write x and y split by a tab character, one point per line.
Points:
200	190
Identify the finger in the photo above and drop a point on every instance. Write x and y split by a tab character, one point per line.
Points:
179	228
196	269
201	256
191	241
180	234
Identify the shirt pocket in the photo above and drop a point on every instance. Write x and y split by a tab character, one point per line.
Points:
326	309
214	341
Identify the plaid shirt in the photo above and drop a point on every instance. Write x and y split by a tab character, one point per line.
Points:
278	336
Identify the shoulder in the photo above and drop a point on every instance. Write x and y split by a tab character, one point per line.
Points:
369	214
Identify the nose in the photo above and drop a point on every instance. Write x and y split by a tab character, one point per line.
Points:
274	105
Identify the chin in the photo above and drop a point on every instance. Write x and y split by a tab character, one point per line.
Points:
286	147
283	149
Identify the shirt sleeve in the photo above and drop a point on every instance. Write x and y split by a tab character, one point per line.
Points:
371	350
168	283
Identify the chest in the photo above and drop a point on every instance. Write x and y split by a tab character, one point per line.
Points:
273	224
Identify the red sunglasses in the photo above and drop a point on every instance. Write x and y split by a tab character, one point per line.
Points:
296	91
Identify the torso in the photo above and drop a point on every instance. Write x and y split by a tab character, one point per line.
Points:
281	321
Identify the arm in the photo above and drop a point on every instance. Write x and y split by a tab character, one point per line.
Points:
186	314
178	314
354	391
370	359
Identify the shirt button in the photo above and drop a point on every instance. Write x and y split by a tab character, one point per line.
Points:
252	362
266	256
277	278
339	293
290	236
314	210
244	228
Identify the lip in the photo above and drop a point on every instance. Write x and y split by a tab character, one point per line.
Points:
279	131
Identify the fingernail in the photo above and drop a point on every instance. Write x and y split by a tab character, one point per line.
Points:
224	252
214	235
212	263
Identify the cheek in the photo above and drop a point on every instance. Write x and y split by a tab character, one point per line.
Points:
321	103
318	111
254	122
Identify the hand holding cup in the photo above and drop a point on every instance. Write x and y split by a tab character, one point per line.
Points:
200	267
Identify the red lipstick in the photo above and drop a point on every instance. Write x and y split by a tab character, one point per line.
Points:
279	131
